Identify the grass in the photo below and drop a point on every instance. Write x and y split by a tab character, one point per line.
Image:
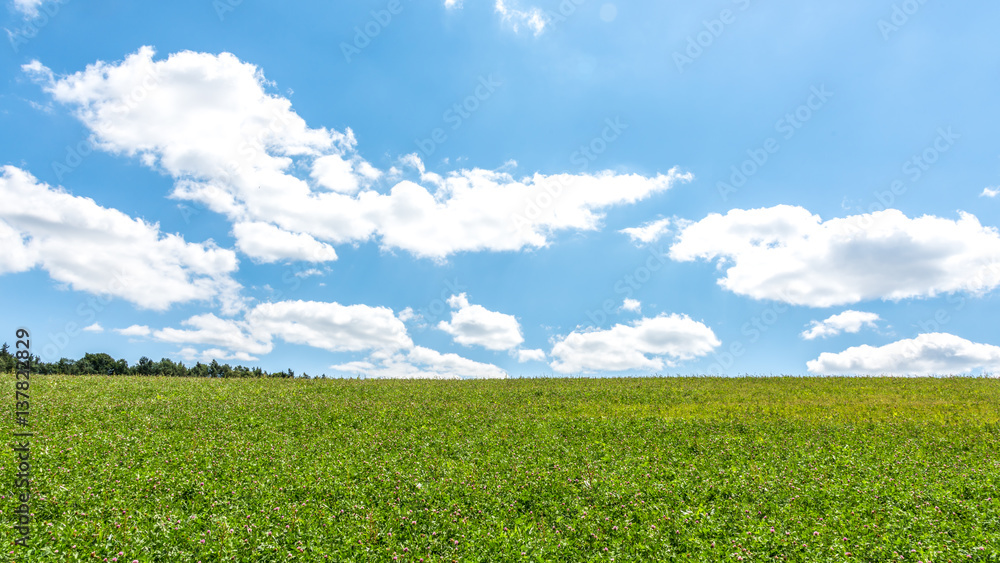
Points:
665	469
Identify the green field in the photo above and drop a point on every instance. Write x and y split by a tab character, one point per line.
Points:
664	469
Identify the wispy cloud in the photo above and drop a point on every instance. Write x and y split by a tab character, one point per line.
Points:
533	18
28	7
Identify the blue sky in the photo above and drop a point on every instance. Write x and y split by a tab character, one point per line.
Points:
499	188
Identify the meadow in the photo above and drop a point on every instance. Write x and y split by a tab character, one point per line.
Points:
653	469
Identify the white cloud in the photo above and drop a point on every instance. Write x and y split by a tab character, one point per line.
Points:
474	325
28	7
649	232
647	344
96	327
333	172
134	330
474	210
308	273
990	192
327	326
532	18
210	123
206	356
933	353
210	330
422	363
785	253
103	251
16	255
848	321
530	356
331	326
632	305
263	242
452	4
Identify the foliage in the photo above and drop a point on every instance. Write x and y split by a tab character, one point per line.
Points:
104	364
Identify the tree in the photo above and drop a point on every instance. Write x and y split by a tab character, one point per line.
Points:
7	361
199	370
100	364
144	367
66	366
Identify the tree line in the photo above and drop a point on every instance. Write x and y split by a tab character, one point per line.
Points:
104	364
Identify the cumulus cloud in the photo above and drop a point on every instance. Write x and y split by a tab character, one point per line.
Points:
990	192
104	251
787	254
848	321
632	305
452	4
210	330
933	353
375	331
649	232
532	18
96	327
210	122
647	344
331	326
134	330
422	363
530	356
474	325
328	326
265	243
